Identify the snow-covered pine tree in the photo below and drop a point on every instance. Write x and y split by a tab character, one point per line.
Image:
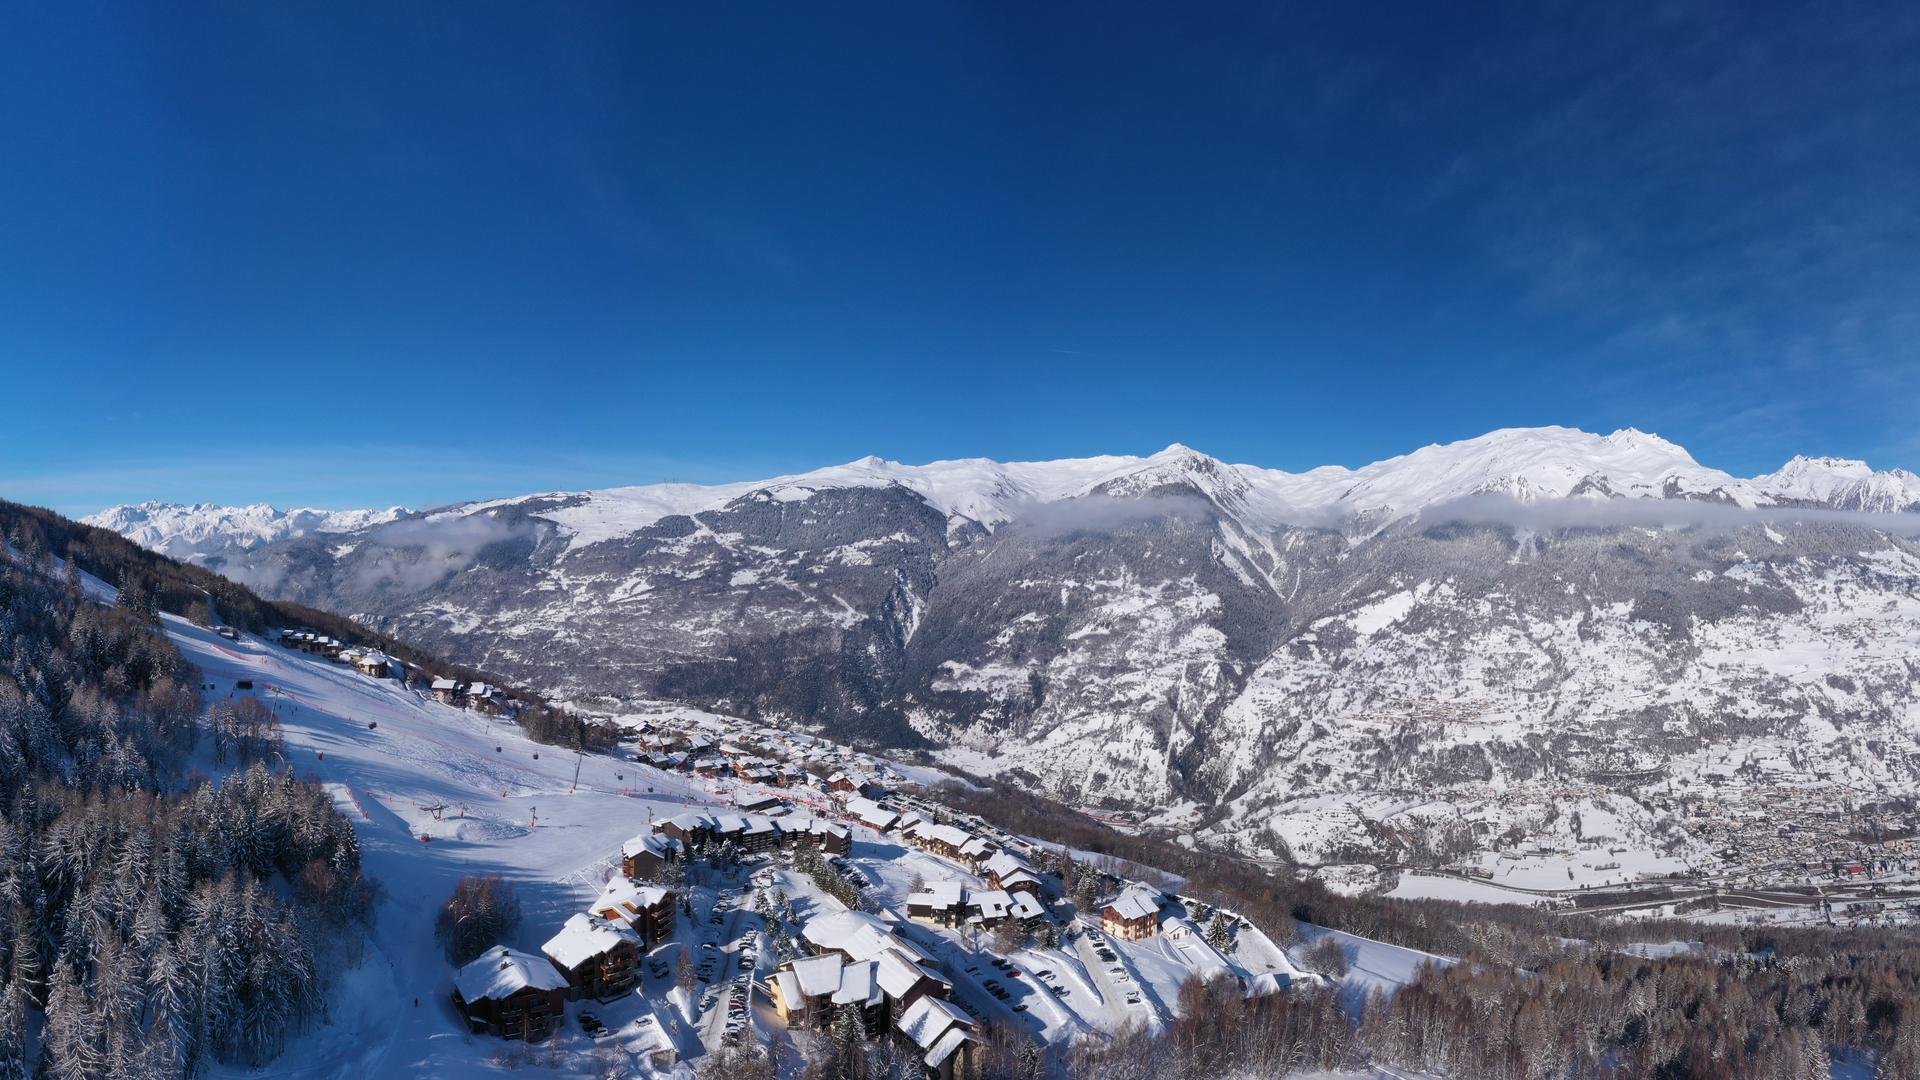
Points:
849	1033
1219	932
72	1038
13	1032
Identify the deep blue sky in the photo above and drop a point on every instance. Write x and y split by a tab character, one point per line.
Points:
372	253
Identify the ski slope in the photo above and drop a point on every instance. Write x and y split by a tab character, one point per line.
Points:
512	808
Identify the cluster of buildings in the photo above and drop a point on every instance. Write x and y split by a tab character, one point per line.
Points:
858	961
370	662
854	962
478	696
596	954
696	830
707	747
952	903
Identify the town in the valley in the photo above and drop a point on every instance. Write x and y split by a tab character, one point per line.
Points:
814	888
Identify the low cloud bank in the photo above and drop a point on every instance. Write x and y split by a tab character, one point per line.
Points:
1554	514
417	553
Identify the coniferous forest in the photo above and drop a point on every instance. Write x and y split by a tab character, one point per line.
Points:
153	920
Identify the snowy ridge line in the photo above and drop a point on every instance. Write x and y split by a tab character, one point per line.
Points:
1526	464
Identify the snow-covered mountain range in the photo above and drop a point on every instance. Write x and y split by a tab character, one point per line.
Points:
192	532
1528	464
1225	643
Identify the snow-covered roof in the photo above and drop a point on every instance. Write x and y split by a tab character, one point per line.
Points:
1171	923
1009	880
812	825
1135	902
689	821
976	847
896	974
859	935
993	903
583	937
790	991
1268	982
871	813
941	834
940	894
943	1047
445	684
628	897
652	843
1006	862
1026	907
818	975
501	972
857	985
927	1019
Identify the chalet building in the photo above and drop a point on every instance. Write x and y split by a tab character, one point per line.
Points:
376	664
841	782
511	994
872	814
600	958
446	691
647	910
857	961
830	837
951	903
693	830
756	804
942	840
808	992
855	935
1132	915
989	908
1005	870
975	853
647	856
753	834
941	903
1178	927
942	1035
483	698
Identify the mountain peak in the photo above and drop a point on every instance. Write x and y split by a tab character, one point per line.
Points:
1802	463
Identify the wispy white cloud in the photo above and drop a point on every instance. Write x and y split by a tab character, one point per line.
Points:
1726	201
